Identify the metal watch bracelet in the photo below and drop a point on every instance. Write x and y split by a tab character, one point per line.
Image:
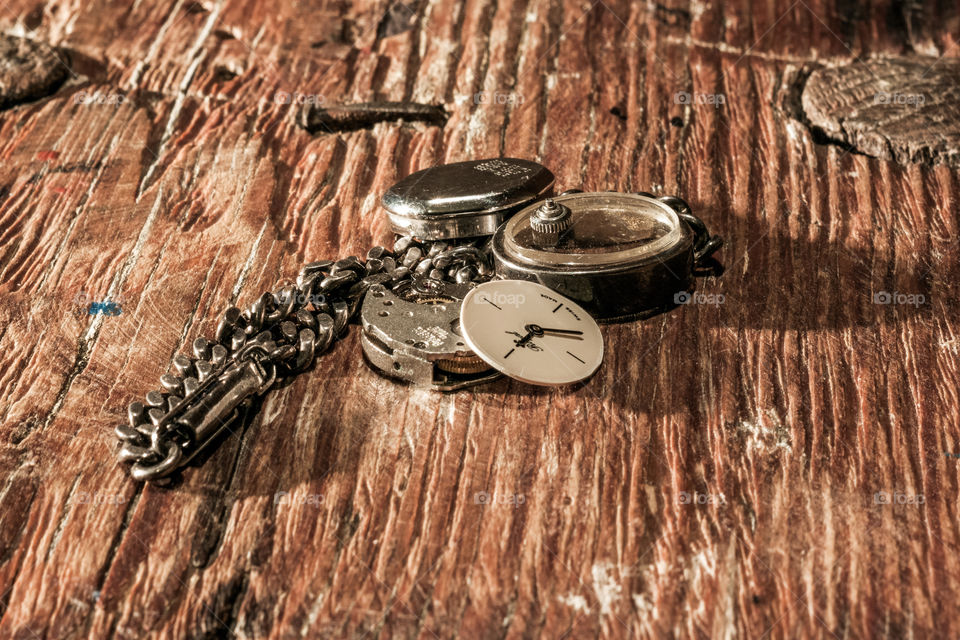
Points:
276	336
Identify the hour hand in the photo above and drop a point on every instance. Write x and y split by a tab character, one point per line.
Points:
537	330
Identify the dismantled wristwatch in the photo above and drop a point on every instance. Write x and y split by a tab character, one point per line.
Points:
619	256
492	275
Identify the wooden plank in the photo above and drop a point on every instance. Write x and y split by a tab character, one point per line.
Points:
724	474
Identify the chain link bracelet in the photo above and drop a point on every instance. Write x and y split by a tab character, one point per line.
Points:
277	336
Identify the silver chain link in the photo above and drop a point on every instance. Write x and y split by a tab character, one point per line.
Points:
277	336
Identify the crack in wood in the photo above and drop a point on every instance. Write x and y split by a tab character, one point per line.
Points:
74	167
215	511
58	528
248	264
118	538
196	54
671	16
223	608
81	359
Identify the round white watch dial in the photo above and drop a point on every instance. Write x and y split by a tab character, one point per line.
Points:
530	332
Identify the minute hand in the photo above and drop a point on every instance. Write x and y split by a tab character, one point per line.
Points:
537	330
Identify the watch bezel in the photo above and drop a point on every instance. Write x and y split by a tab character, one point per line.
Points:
613	292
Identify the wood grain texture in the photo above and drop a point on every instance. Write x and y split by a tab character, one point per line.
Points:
724	473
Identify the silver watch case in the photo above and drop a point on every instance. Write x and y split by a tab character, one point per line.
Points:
464	199
614	267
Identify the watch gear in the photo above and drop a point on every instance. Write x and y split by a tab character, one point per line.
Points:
412	332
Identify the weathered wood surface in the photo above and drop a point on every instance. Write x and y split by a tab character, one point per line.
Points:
892	108
167	174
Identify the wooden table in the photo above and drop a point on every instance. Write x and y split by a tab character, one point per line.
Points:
781	457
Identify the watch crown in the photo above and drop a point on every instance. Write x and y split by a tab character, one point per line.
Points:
550	217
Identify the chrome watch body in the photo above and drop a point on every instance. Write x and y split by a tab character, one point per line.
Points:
621	256
464	199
